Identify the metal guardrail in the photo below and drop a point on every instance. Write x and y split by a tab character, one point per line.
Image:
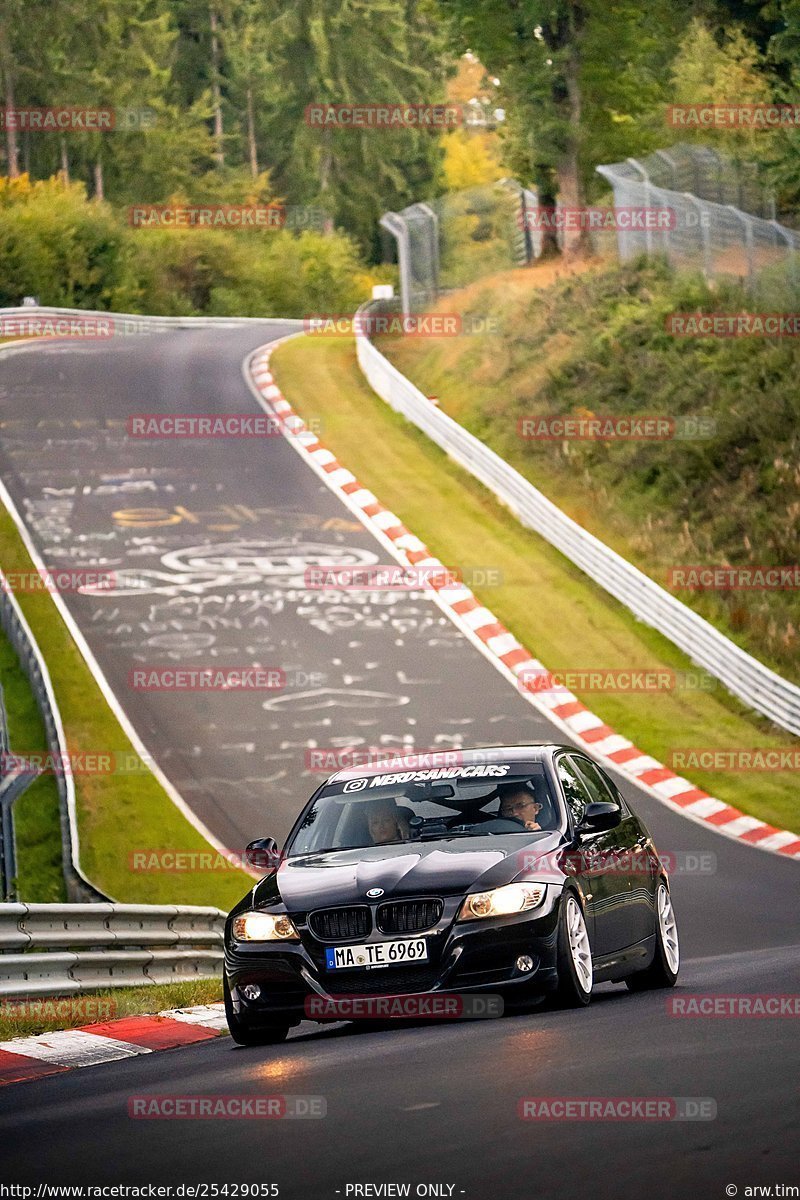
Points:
13	622
138	323
90	946
747	678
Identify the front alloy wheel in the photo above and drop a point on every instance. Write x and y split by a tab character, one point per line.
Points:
575	975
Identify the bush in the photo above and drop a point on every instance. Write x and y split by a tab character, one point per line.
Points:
76	253
56	244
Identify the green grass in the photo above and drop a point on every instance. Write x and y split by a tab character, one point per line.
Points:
547	603
596	343
117	812
36	815
23	1018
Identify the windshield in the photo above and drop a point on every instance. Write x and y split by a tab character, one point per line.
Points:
407	806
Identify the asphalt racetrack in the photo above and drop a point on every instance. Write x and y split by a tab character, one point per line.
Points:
209	541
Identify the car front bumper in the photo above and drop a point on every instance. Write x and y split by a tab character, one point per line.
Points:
469	957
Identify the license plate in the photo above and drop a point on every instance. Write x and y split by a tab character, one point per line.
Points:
377	954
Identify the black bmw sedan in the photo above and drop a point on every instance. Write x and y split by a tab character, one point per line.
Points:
516	871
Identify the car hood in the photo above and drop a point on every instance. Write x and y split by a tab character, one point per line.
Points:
441	867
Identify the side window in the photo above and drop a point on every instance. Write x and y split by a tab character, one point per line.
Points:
575	791
596	785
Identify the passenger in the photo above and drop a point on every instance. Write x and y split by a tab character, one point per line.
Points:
386	822
517	802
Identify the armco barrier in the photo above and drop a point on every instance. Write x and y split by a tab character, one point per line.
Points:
79	887
89	946
133	323
18	632
747	678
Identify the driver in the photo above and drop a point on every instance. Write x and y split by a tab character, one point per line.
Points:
516	802
386	822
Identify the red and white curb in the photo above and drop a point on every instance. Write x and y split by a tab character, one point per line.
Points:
52	1053
500	646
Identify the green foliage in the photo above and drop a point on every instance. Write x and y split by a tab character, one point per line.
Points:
271	60
783	151
477	231
74	252
36	814
57	245
354	52
597	344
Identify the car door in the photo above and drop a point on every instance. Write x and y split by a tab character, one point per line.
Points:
621	861
579	864
601	852
642	865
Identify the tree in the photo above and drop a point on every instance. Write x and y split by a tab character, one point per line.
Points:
583	82
22	62
783	150
534	46
328	52
710	71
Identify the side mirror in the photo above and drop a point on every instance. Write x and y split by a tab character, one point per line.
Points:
599	817
263	854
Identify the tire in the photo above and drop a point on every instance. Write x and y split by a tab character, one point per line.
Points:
575	974
243	1033
663	971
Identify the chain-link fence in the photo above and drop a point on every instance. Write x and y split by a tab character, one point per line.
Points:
723	223
460	237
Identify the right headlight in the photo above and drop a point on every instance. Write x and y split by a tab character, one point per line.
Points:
264	927
502	901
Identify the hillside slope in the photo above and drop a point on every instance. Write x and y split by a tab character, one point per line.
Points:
595	343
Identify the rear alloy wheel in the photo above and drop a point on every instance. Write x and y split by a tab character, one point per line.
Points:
575	974
245	1034
663	971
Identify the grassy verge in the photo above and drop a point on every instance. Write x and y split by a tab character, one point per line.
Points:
20	1018
725	490
118	813
36	816
550	606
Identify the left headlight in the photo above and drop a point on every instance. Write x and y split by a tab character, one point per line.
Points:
502	901
264	927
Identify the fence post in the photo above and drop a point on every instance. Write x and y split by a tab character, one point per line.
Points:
396	226
670	161
748	241
782	231
433	237
648	233
708	270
